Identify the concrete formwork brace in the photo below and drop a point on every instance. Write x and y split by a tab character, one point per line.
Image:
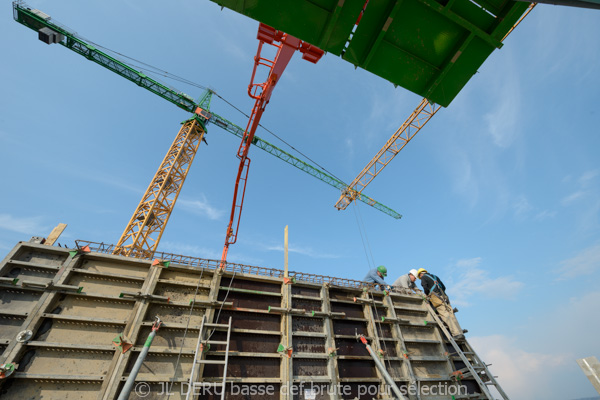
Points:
401	344
35	318
210	313
332	365
132	330
287	367
372	331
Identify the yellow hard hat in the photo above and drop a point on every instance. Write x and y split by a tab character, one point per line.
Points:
420	271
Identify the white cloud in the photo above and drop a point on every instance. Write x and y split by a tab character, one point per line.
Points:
521	206
586	183
540	356
502	120
588	176
201	207
305	251
475	280
545	215
349	148
572	197
521	374
584	263
465	183
28	225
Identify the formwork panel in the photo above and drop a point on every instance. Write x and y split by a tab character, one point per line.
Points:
170	314
34	274
307	390
160	366
429	369
251	285
249	300
303	324
137	270
350	347
180	293
384	330
357	369
423	349
351	310
189	277
70	332
308	305
41	257
389	347
240	391
306	291
418	332
308	344
341	327
335	294
17	300
245	367
10	326
19	389
395	369
83	306
304	367
246	342
250	320
74	362
71	349
360	390
108	286
170	338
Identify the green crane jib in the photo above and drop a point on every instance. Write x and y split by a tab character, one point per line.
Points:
51	32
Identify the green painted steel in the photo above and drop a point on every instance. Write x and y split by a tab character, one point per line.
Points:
303	166
31	19
430	47
34	21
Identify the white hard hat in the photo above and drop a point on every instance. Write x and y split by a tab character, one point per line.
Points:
413	272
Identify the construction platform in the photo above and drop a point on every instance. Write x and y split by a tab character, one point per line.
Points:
430	47
68	314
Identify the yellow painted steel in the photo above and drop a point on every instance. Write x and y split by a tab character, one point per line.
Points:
142	235
399	139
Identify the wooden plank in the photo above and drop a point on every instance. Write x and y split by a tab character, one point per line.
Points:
55	234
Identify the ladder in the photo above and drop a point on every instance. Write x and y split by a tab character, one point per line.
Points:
198	360
475	368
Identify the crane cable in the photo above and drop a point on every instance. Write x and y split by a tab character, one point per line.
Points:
286	143
365	241
361	227
178	78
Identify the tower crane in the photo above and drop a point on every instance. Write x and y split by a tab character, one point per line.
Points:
146	226
413	125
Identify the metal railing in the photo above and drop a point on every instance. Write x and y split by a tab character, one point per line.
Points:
231	267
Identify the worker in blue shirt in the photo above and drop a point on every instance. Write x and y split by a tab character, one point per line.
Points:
376	275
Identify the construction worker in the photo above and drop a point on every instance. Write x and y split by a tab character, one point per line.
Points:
435	290
407	281
376	275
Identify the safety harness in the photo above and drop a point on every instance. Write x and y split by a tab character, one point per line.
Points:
437	284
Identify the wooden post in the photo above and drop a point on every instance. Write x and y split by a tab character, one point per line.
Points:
55	234
285	252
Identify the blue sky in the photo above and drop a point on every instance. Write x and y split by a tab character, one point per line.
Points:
500	191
